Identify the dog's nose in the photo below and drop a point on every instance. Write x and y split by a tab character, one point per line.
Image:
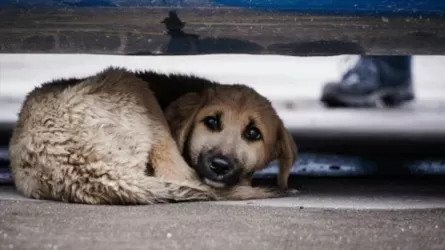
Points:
220	165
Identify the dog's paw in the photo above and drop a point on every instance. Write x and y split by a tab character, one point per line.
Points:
186	175
280	193
250	193
292	192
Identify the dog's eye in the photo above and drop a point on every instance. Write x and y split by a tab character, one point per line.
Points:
212	122
252	134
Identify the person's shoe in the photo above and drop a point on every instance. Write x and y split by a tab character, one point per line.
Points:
367	84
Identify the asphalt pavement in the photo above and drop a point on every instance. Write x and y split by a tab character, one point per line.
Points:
329	214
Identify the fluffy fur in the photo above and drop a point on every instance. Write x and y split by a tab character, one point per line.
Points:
132	138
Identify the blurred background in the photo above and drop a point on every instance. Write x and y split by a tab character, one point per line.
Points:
286	50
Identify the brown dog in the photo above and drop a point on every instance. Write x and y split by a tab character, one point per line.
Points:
106	140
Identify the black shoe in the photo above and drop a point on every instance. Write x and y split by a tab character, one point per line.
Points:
370	82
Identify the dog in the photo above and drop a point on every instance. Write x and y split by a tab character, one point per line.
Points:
121	137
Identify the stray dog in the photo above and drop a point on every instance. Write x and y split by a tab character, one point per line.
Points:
123	137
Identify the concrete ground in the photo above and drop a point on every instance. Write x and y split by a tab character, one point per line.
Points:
328	214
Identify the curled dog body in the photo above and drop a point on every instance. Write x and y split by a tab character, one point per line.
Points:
120	137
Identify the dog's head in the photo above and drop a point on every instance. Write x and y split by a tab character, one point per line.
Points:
228	132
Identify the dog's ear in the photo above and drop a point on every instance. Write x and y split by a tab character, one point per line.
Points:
286	153
180	115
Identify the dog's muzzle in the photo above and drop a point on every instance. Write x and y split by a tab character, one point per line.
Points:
218	170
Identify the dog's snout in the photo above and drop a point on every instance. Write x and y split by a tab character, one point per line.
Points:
220	165
218	170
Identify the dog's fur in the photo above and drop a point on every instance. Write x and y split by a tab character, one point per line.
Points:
105	139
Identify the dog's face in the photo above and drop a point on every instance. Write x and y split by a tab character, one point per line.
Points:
226	133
